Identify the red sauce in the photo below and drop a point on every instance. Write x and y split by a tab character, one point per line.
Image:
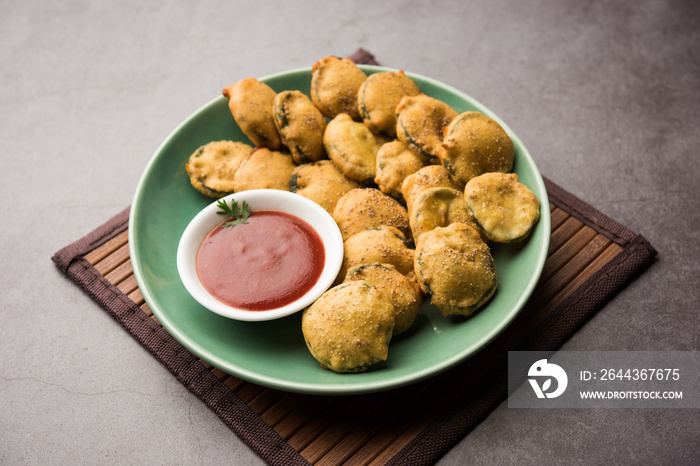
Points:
269	262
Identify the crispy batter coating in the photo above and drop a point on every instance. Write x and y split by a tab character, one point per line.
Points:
438	207
212	167
301	126
378	97
335	83
348	329
420	121
322	182
384	244
475	144
352	147
250	102
432	176
364	208
264	169
404	293
395	161
504	209
455	267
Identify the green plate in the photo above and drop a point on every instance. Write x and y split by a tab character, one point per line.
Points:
273	353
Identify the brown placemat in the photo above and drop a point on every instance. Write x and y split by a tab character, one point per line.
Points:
590	258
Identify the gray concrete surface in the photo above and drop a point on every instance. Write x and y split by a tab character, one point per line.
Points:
604	94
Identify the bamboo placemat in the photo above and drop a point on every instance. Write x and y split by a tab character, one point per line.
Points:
590	258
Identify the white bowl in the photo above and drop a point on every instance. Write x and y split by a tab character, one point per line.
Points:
260	199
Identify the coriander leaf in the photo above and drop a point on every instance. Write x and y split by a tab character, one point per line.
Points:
238	216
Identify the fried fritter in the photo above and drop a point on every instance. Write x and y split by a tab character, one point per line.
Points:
322	182
301	126
335	83
395	161
212	167
352	147
264	169
475	144
438	207
403	292
364	208
348	329
420	121
384	244
378	97
455	267
432	176
250	103
504	209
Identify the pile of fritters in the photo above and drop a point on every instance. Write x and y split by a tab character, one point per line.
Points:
417	189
